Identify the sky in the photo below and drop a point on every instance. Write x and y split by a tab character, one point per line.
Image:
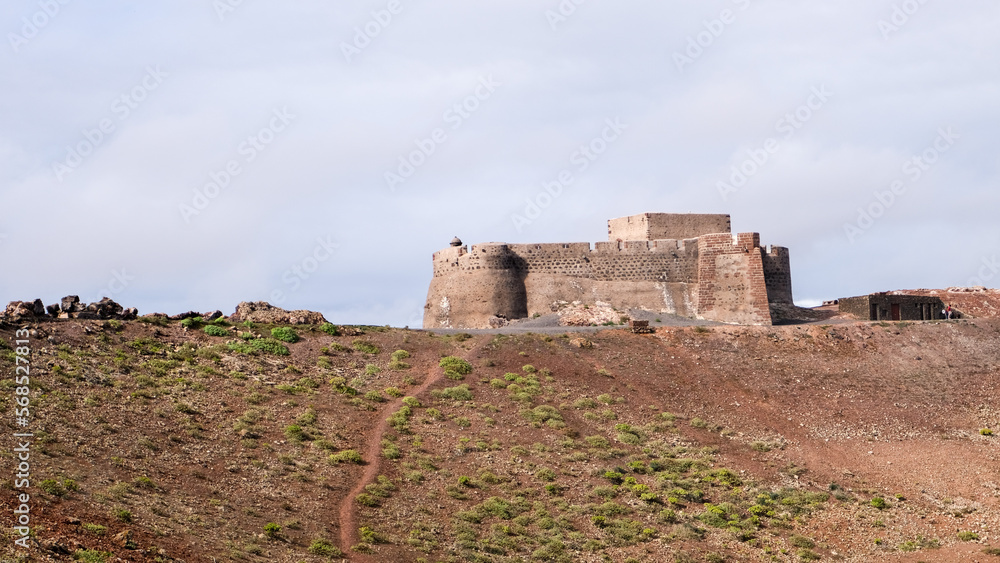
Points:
191	154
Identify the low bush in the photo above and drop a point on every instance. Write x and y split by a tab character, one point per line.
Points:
215	330
285	334
324	547
365	347
458	393
455	367
346	456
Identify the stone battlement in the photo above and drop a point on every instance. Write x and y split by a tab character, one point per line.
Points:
715	275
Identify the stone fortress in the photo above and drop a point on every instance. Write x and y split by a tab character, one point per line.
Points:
682	264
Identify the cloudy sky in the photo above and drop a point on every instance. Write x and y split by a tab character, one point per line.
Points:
191	154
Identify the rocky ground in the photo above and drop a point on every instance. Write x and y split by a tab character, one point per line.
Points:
186	440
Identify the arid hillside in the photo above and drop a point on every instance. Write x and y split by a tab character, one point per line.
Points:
159	440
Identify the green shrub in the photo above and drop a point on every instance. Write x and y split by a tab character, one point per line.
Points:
92	555
266	345
597	442
192	322
346	456
584	403
801	541
285	334
52	487
272	530
399	355
369	535
986	432
321	546
340	385
879	503
295	433
96	529
543	414
455	367
458	393
390	450
411	402
123	515
330	329
144	482
545	474
214	330
393	392
968	536
307	418
365	347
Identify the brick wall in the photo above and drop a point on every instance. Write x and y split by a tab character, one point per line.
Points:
777	275
731	285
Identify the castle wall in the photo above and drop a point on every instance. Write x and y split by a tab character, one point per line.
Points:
472	289
545	291
731	286
778	275
716	276
658	226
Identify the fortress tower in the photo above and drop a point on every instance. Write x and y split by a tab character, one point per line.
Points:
683	264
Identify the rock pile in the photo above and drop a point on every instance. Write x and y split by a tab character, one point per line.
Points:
69	307
264	312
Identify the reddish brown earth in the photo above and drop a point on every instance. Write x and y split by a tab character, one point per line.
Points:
868	409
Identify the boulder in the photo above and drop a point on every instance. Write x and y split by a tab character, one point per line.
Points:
20	310
71	304
182	316
264	312
106	309
209	317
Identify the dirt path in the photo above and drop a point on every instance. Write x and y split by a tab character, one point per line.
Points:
373	457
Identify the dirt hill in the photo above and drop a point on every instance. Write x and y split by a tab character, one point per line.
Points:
160	440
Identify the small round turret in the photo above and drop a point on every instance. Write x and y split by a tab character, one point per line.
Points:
456	241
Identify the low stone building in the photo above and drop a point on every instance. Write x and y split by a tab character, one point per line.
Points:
893	307
686	264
